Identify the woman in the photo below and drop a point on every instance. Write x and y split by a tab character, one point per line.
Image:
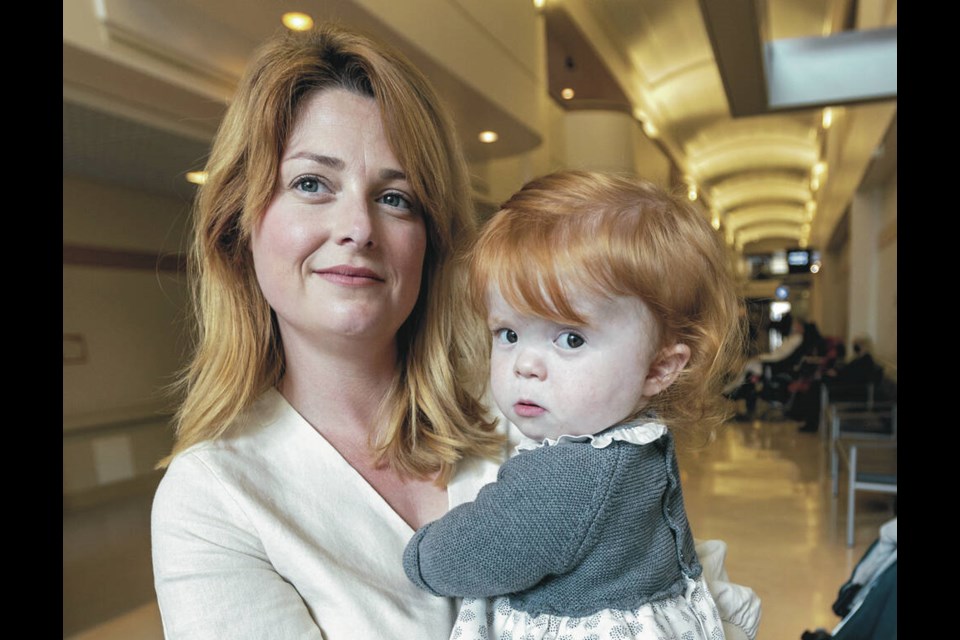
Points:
326	403
330	408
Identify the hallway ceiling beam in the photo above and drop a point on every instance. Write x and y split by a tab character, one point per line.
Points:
796	73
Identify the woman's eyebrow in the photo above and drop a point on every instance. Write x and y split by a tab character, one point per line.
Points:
340	165
327	161
392	174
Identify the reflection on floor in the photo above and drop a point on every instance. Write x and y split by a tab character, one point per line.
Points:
765	489
107	574
762	487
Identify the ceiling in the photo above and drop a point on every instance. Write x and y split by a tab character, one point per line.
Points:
721	86
700	75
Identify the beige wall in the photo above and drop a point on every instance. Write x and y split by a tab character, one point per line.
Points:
885	323
600	140
856	291
830	291
873	268
504	34
123	335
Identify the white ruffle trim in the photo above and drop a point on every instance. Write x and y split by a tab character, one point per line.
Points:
632	432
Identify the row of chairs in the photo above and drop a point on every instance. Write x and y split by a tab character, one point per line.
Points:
861	435
858	425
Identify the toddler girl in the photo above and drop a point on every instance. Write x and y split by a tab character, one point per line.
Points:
613	322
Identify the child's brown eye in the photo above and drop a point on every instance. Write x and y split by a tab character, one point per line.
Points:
570	340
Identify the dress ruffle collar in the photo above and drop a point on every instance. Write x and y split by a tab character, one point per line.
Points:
642	430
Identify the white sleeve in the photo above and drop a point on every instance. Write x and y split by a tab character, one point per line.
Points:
790	344
739	606
212	576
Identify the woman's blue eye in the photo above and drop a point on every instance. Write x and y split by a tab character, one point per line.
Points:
308	184
505	336
395	200
570	340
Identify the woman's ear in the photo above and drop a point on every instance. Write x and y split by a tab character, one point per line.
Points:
664	368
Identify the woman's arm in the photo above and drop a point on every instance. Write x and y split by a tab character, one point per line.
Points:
790	344
212	576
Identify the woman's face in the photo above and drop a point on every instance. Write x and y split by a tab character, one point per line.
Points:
339	251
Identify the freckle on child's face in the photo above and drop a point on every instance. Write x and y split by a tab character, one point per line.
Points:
552	379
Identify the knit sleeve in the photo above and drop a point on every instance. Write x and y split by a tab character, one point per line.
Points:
530	524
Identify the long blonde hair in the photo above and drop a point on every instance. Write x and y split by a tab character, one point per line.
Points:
431	418
614	235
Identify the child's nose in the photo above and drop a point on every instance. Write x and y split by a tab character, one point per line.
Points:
530	364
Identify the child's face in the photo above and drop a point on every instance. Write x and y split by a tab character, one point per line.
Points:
553	379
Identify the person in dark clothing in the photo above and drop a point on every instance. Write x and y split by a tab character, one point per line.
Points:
860	370
780	360
841	381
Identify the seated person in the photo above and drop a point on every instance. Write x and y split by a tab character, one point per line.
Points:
841	380
786	355
861	370
793	331
812	368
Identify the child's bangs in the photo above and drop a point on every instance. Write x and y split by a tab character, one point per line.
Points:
539	288
537	270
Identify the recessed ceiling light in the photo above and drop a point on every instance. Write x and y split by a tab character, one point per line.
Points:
488	136
567	93
197	177
827	118
296	21
539	3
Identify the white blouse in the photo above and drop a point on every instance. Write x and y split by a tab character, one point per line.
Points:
270	533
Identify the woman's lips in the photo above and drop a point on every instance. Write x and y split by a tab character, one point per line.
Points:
526	409
350	276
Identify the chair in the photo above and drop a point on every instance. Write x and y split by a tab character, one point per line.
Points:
774	391
864	437
849	395
860	479
776	381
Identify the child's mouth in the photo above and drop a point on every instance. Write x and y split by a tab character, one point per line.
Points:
527	409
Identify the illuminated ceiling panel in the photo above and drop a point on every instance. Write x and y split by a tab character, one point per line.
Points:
742	190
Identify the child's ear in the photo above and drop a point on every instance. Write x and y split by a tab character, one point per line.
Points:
664	368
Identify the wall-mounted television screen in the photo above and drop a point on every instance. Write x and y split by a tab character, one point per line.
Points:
800	260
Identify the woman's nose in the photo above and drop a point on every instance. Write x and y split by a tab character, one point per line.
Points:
530	364
355	222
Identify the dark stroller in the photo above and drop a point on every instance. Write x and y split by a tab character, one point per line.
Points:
867	602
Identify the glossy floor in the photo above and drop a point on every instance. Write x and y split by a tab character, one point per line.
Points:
762	487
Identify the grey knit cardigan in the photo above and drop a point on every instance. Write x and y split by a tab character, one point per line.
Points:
567	529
